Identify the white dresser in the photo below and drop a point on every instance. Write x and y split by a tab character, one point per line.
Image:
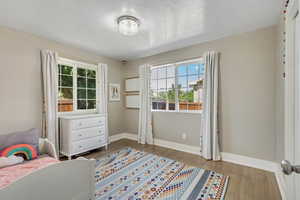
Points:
81	133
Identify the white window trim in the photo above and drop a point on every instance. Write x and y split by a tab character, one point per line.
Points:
177	110
78	64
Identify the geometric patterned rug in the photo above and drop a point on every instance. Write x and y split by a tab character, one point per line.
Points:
130	174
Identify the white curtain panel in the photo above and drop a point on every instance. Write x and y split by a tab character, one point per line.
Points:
103	93
210	129
145	135
49	76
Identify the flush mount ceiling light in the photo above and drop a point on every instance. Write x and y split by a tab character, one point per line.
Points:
128	25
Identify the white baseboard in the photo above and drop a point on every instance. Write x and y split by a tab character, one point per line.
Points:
120	136
130	136
249	161
159	142
116	137
228	157
177	146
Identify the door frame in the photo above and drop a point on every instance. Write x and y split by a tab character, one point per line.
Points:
290	94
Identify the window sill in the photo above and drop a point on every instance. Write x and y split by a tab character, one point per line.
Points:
180	112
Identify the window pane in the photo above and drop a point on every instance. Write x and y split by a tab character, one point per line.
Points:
154	105
182	70
65	93
172	106
81	104
154	84
171	71
162	72
160	100
195	106
162	105
182	98
195	103
91	104
162	94
157	99
159	104
91	73
183	105
81	72
154	74
67	81
171	95
66	70
202	69
189	95
65	90
81	82
170	83
193	80
182	94
182	82
193	69
91	94
81	93
154	94
65	100
65	105
91	83
162	84
171	99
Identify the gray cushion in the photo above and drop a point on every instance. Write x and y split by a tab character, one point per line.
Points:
25	137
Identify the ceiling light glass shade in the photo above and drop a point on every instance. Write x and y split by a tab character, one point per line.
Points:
128	25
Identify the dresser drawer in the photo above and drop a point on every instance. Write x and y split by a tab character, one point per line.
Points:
88	144
87	123
87	133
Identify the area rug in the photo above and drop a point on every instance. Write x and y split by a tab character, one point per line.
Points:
130	174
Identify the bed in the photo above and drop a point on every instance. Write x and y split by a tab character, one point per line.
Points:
50	179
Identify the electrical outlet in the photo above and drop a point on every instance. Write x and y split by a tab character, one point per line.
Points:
183	136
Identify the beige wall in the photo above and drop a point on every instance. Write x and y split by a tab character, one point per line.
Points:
20	80
248	72
248	67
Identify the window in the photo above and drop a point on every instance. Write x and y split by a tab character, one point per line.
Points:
65	88
77	86
178	87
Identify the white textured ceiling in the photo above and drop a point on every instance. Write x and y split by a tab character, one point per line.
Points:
165	24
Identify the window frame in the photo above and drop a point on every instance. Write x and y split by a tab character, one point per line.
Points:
76	65
176	65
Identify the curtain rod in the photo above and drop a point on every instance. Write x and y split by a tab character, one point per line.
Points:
179	61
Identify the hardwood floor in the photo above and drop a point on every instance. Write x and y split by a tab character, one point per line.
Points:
245	183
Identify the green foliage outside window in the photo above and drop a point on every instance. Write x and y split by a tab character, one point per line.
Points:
86	88
182	95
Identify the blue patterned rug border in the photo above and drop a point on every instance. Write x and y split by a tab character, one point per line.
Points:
125	174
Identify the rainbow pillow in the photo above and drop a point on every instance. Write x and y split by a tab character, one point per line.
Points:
27	151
